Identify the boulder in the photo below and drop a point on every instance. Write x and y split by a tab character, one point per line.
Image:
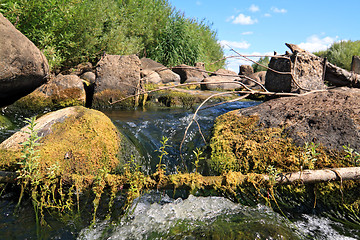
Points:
65	88
150	76
165	74
331	118
307	69
248	71
355	64
190	74
23	66
76	139
221	75
117	77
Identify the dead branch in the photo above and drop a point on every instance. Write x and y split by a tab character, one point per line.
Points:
230	179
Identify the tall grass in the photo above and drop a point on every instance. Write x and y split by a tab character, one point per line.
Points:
74	31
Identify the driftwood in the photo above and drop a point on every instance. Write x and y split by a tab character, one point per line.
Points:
189	180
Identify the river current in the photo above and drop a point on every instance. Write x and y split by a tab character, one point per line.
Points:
163	215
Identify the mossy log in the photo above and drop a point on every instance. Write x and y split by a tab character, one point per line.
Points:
230	179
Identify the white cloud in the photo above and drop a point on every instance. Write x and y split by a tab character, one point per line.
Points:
198	3
247	33
267	15
243	20
254	8
241	45
314	43
277	10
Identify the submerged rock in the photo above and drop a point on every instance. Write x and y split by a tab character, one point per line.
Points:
23	66
77	140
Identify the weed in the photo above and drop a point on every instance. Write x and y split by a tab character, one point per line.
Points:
198	154
163	152
352	154
309	155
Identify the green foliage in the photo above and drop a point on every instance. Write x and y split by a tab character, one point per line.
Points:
198	157
263	61
29	158
162	152
74	31
340	53
352	154
309	155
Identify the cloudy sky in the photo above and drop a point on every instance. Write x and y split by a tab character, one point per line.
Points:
259	27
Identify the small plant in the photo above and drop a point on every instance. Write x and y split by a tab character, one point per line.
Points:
309	155
28	173
352	154
163	152
198	154
272	172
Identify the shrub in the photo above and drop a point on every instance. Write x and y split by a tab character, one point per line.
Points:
74	31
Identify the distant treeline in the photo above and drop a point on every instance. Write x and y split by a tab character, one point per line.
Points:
340	53
74	31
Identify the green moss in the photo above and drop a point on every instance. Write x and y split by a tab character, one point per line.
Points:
5	123
37	102
240	143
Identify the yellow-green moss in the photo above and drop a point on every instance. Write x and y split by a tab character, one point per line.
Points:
240	143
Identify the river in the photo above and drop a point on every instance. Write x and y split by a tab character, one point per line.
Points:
165	215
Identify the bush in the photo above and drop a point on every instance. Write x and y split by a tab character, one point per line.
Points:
340	53
72	31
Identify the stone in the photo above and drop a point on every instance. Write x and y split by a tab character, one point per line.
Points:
150	76
164	73
355	64
307	69
331	117
246	70
189	74
117	77
23	66
76	139
222	75
65	88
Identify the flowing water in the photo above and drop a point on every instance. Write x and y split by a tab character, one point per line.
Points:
161	215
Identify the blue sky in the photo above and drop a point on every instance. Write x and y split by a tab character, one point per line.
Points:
263	26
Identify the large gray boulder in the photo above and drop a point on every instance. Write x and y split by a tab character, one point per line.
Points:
306	68
116	77
23	67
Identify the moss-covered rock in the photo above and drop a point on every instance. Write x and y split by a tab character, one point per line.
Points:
76	139
241	143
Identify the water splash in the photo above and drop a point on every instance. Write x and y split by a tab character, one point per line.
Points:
159	217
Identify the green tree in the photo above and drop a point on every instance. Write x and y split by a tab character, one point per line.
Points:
340	53
263	61
74	31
